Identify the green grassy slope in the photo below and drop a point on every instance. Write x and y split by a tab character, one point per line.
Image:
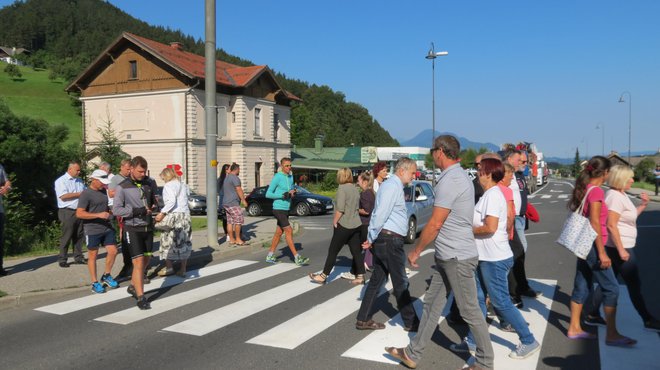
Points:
35	96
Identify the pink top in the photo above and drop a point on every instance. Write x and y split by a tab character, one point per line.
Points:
508	196
508	193
598	195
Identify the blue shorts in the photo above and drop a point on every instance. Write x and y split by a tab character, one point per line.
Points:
98	240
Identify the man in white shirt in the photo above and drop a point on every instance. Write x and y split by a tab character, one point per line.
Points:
68	188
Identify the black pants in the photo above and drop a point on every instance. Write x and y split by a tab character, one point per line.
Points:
630	274
341	236
72	231
517	275
657	184
389	260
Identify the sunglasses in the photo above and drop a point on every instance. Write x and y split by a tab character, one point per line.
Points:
286	165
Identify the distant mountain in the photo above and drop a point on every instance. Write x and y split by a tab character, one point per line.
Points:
623	155
424	138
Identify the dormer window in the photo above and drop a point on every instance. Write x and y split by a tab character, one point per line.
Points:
132	73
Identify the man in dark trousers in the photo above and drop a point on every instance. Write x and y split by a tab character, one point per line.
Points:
135	201
68	188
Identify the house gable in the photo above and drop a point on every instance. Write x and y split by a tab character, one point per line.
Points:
130	69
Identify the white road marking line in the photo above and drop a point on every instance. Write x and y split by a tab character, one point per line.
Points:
531	196
82	303
371	347
316	228
221	317
554	201
644	355
536	313
314	321
562	196
538	233
546	196
158	306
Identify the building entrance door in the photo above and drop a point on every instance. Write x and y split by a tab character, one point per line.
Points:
257	174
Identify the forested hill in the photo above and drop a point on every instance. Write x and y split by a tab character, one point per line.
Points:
66	35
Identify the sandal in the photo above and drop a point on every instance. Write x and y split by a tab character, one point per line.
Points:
166	272
241	244
400	354
369	325
181	273
359	280
318	278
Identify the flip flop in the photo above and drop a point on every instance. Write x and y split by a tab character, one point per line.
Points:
583	335
621	342
241	244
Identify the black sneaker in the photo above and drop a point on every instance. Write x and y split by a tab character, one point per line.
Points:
63	264
80	261
517	301
652	325
455	320
143	304
131	291
594	321
531	293
3	272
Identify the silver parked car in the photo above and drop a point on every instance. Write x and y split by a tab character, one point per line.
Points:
419	202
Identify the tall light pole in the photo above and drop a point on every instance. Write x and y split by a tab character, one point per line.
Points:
622	100
601	126
432	54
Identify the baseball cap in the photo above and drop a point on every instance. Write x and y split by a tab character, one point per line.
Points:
101	176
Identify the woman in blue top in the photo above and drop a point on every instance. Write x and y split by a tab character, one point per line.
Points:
282	190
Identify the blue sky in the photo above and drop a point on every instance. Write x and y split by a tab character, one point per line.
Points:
542	71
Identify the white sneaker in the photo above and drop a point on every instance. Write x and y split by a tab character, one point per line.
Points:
347	276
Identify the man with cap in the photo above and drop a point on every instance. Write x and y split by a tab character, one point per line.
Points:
95	214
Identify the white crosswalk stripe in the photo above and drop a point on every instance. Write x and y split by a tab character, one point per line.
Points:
82	303
314	321
234	312
645	353
169	303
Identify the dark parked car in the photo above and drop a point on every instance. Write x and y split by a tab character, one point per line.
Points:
303	204
196	202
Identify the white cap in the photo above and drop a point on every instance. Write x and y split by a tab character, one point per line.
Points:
101	176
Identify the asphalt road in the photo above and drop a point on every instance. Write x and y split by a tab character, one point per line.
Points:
245	314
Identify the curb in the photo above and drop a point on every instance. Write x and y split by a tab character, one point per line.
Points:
18	300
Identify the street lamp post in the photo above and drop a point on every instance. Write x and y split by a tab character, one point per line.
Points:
622	100
601	126
432	54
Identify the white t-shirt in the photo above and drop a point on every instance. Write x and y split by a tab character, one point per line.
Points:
517	201
493	247
619	202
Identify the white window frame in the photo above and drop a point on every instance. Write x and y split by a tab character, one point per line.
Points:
257	122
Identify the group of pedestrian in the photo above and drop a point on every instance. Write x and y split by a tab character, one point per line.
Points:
128	200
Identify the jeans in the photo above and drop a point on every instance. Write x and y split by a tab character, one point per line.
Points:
629	272
492	279
588	271
389	259
341	236
458	276
519	225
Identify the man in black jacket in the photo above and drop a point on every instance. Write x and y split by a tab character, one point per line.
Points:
135	201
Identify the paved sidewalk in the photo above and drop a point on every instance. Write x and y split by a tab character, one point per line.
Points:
33	276
637	191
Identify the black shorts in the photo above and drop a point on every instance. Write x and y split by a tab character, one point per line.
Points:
282	218
139	243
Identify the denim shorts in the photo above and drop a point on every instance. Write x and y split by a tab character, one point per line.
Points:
101	240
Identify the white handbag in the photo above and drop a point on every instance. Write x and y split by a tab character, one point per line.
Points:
578	235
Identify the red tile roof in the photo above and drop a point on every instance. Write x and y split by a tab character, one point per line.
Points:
193	64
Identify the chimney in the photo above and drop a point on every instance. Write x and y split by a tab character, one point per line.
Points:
318	143
176	45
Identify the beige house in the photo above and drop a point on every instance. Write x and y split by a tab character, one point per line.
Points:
153	95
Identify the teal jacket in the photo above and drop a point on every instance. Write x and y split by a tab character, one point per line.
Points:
279	185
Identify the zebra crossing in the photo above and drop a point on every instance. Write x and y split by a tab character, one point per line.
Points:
309	322
549	196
